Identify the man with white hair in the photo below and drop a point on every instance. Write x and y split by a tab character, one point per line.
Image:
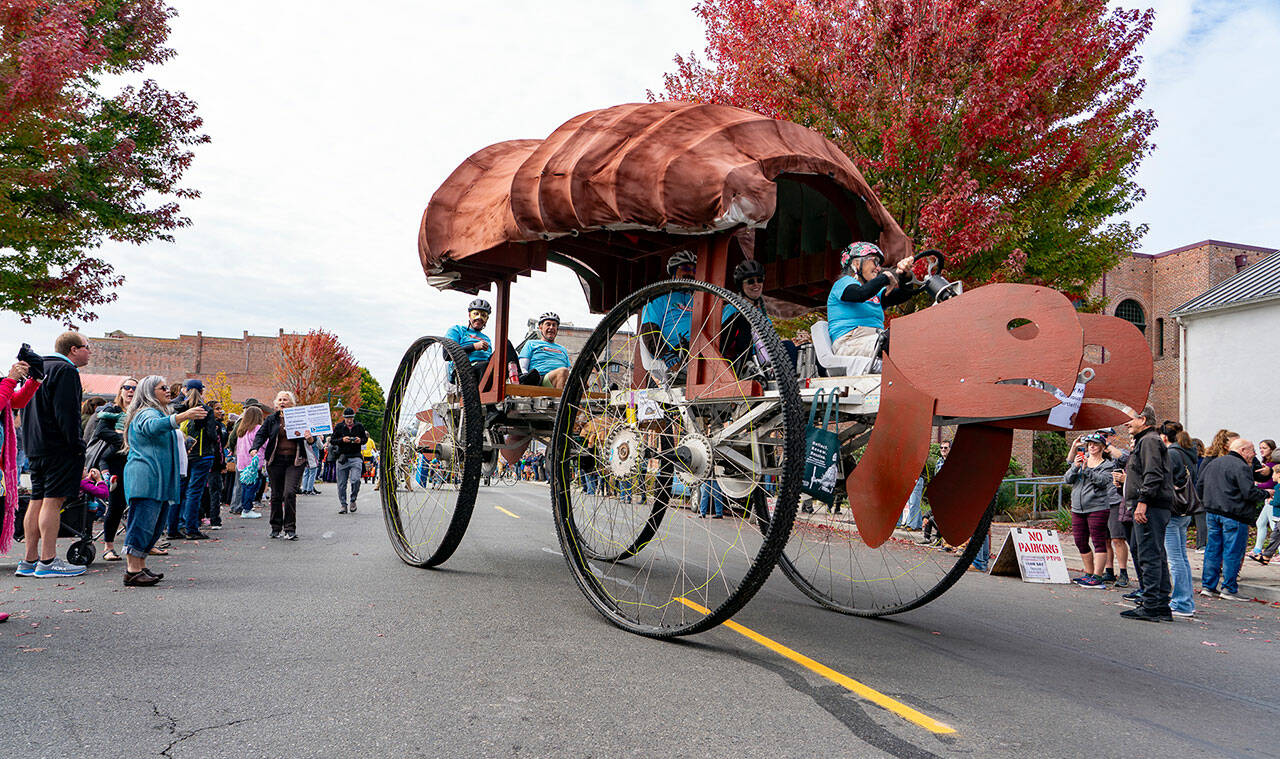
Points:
1231	500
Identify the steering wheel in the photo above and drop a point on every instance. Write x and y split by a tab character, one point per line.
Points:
936	260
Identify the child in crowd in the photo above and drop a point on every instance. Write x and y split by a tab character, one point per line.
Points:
1273	539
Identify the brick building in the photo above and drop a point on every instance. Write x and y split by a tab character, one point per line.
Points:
1145	288
249	361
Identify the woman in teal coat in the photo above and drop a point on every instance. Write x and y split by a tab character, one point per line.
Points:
152	483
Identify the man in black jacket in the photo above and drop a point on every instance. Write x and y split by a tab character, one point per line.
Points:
1231	499
347	439
1148	491
51	428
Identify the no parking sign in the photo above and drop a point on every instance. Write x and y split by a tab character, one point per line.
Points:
1037	555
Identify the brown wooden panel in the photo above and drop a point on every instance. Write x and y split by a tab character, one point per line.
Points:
961	491
882	481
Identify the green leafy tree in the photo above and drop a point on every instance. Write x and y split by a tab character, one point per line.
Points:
372	404
79	165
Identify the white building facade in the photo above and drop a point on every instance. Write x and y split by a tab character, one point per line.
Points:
1230	355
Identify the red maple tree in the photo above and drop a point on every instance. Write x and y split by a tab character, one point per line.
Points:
1004	133
77	165
318	368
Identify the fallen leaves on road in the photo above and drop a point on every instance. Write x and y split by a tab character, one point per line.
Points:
1207	643
76	611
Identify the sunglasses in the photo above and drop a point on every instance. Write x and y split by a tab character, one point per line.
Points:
128	387
753	281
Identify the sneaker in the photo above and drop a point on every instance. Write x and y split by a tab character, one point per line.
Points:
1144	614
250	514
291	536
1224	594
1184	614
1090	581
1209	593
215	527
275	535
59	568
1134	596
342	510
1108	576
1123	580
204	522
197	535
25	569
353	507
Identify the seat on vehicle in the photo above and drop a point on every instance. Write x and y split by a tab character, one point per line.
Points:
532	391
836	365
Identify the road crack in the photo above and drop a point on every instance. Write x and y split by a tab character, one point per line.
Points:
170	724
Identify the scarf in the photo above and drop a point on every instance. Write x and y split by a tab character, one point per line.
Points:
9	457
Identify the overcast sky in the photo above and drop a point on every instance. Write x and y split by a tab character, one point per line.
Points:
332	124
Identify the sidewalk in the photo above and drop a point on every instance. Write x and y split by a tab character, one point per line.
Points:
1256	581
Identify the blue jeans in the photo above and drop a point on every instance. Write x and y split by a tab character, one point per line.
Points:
309	478
1175	545
248	493
349	472
710	496
145	517
983	555
187	517
913	517
1224	553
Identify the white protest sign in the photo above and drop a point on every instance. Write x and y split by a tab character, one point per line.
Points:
314	419
1064	414
1036	553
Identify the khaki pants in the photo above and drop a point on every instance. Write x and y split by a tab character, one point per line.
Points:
860	341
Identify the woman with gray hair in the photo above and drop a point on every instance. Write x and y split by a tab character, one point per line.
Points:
151	480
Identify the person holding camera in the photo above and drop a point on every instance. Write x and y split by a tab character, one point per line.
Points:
347	440
1091	486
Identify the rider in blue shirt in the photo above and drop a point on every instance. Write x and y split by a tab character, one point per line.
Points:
665	321
477	345
855	307
735	331
546	356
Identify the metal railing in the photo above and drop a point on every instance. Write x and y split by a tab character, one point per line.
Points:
1031	488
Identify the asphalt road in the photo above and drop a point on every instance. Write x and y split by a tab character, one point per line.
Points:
330	646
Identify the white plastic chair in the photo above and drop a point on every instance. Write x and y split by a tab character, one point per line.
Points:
836	366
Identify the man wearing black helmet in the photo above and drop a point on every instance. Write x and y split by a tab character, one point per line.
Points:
546	357
666	321
735	330
477	345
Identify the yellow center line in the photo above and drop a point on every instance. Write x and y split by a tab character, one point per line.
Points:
508	513
870	694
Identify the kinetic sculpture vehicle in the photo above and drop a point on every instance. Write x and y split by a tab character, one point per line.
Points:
647	413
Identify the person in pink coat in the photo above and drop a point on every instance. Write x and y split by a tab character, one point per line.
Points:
12	397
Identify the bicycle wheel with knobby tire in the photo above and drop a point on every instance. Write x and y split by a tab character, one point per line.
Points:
431	451
826	559
648	419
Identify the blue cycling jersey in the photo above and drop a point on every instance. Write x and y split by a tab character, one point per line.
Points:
844	317
465	336
673	313
728	311
544	356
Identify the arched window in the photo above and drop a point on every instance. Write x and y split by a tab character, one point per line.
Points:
1131	311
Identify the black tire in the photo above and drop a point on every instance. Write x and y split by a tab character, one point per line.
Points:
633	553
426	519
828	563
82	552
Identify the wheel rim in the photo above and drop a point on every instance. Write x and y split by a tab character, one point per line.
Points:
651	565
826	559
431	452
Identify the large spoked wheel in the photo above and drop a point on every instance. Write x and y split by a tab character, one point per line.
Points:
826	559
648	420
431	444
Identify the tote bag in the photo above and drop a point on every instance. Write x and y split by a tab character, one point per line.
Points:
822	452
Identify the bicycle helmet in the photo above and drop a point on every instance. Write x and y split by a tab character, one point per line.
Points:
681	258
480	304
549	316
860	250
747	269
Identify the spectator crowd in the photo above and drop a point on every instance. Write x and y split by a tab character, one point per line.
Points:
160	461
